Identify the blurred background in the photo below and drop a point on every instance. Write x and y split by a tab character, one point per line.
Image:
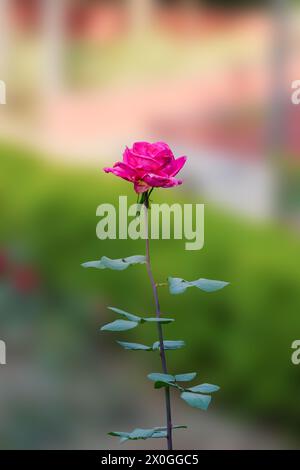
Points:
213	79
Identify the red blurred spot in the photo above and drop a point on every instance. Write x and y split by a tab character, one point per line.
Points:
4	264
25	279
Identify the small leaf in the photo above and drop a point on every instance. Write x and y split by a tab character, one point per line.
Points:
93	264
155	376
139	433
178	285
129	316
185	377
160	434
163	383
162	380
117	434
116	264
119	325
204	388
135	318
134	435
134	346
178	426
169	345
208	285
158	320
196	400
164	432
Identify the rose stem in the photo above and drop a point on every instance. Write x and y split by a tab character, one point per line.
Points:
159	327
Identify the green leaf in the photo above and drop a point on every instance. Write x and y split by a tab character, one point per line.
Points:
163	432
196	400
93	264
139	433
185	377
129	316
119	325
204	388
117	433
163	380
178	285
169	345
160	434
134	435
163	383
132	317
155	376
208	285
116	264
158	320
178	426
134	346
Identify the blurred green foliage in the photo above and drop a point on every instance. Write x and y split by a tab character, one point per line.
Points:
239	338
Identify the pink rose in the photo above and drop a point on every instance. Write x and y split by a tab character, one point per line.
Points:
148	166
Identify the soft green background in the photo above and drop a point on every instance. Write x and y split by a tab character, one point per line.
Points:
239	338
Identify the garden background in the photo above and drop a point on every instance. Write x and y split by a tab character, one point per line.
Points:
84	79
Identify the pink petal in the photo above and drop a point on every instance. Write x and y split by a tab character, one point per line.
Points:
161	148
174	167
173	182
161	152
142	148
143	162
149	157
151	149
148	165
141	187
157	181
123	171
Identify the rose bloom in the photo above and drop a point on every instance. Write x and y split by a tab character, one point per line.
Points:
148	166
